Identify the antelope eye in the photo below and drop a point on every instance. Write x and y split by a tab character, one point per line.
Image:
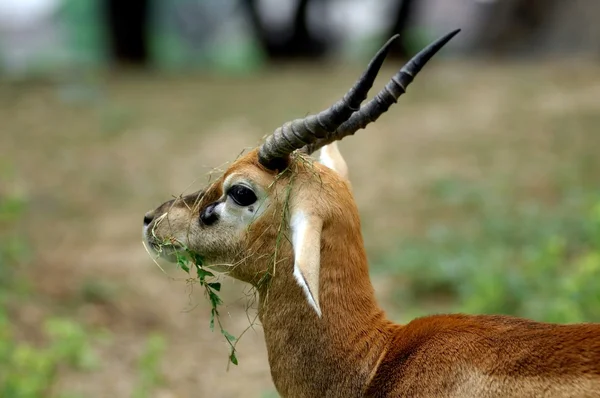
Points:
241	195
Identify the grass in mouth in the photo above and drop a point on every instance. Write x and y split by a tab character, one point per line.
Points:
190	262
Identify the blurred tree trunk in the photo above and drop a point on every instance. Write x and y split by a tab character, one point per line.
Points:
300	43
513	26
573	28
400	26
127	25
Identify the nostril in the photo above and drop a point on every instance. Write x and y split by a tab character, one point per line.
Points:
209	215
148	219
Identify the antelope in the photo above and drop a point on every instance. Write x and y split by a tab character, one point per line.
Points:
289	226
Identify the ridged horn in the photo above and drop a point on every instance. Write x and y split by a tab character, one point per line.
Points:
389	95
274	152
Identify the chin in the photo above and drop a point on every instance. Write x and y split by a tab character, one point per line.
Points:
168	253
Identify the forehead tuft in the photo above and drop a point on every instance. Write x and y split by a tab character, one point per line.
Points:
248	166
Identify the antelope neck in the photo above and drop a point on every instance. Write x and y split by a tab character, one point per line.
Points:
331	355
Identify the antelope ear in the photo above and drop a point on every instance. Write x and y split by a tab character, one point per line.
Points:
331	157
306	241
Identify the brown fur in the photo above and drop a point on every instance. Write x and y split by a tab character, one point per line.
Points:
352	350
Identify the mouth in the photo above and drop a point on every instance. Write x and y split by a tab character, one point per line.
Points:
166	248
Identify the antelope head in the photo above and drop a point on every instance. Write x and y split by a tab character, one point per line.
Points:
275	207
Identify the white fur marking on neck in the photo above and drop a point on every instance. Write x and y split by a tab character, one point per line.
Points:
300	228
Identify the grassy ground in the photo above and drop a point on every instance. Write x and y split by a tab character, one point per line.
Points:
468	190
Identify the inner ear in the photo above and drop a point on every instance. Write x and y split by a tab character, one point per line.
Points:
331	157
306	241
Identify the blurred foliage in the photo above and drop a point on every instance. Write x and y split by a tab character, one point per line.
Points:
519	259
270	394
149	366
31	369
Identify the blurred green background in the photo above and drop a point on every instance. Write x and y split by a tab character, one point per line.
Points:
479	193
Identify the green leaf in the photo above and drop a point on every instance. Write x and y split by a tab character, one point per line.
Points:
196	259
214	299
202	273
233	358
215	285
182	262
228	336
213	313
